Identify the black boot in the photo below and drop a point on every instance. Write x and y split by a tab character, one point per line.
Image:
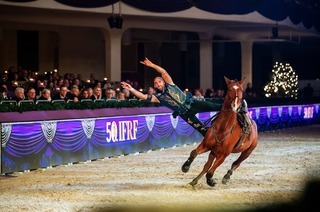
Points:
243	119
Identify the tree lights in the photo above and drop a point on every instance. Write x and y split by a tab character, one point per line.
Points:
284	82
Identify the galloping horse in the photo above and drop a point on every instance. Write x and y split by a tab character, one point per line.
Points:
225	136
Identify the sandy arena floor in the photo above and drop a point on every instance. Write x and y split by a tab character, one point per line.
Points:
276	172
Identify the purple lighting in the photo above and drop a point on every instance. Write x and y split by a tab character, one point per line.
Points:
31	145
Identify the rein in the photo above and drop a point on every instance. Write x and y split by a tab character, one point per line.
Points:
229	109
227	135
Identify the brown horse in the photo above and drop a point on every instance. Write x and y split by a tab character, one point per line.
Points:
225	136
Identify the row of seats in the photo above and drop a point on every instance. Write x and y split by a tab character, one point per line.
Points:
13	102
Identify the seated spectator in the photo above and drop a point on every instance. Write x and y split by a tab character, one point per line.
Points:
84	94
150	90
197	95
90	92
18	94
63	91
31	94
74	93
3	92
110	94
45	95
209	93
96	93
220	93
127	94
121	95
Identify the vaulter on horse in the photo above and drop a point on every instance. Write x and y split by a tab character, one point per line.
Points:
170	95
225	136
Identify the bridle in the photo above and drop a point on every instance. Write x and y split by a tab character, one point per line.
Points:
235	102
235	105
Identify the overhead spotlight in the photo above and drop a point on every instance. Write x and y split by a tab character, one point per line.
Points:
115	21
112	21
274	32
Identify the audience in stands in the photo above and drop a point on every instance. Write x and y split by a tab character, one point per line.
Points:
18	84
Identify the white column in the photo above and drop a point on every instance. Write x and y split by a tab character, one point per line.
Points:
246	60
205	61
113	55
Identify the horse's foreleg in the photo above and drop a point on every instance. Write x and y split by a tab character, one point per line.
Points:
199	150
206	167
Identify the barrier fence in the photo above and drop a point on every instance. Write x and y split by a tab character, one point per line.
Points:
42	139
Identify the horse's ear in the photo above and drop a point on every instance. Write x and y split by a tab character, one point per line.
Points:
243	81
227	80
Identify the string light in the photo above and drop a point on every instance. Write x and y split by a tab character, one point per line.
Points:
284	82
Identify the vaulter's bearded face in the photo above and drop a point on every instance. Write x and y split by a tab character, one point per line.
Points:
158	83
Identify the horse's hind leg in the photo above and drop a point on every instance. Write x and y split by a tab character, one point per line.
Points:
244	155
186	166
200	149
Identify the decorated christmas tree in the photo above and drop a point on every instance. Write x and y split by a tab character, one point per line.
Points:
284	82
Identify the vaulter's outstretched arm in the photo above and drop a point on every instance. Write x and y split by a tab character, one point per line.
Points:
138	94
164	74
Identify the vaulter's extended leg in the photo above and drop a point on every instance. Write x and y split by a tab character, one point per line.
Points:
193	121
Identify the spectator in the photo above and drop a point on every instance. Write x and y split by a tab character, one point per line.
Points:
110	94
3	92
45	95
31	94
74	93
97	93
18	94
121	95
23	75
90	92
220	93
209	93
78	83
62	95
84	94
127	94
151	90
197	95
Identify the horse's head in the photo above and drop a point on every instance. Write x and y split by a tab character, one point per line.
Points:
234	93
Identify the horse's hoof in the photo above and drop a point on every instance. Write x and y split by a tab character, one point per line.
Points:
193	183
225	180
185	168
211	182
